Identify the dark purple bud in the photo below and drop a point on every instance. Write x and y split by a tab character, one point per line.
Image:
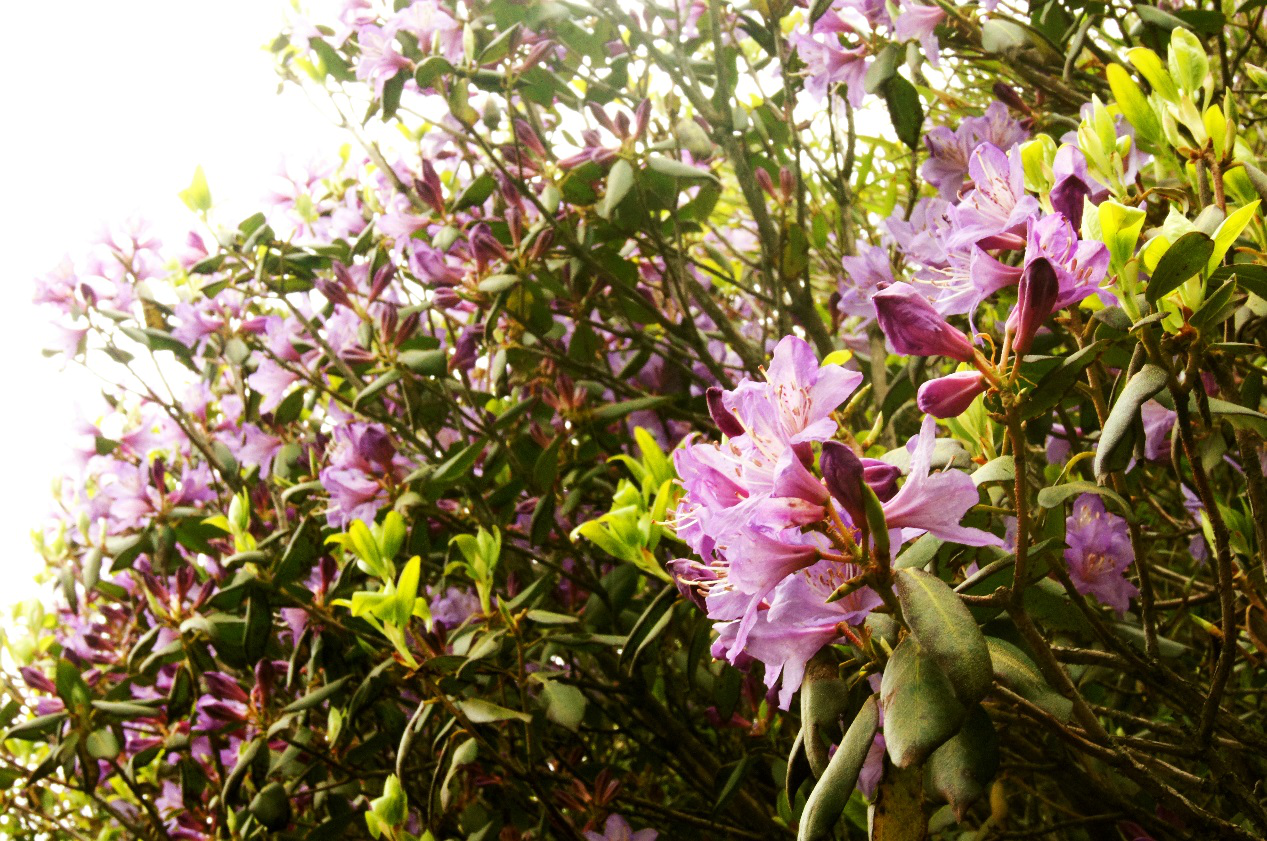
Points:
723	417
373	446
1067	198
333	293
220	685
525	135
387	324
407	327
541	244
1008	96
914	328
382	278
881	477
602	157
535	55
622	125
787	183
641	115
843	473
464	349
601	117
765	182
1037	294
37	680
515	222
950	396
485	246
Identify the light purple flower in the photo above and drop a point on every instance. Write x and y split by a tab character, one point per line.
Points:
1158	421
935	502
1073	185
864	275
1099	551
915	21
993	214
618	829
949	151
827	63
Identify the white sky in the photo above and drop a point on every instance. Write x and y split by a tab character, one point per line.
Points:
111	104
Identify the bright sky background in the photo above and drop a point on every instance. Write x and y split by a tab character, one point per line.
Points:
111	104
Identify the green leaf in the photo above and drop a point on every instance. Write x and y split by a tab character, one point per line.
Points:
427	363
565	704
37	729
1183	259
962	769
1001	469
1188	63
197	196
619	182
271	807
1149	64
1119	230
826	702
1135	106
102	744
392	90
1148	381
1017	672
1055	384
616	411
921	711
905	110
1058	494
677	169
1249	276
377	386
475	193
480	711
946	631
882	70
1229	229
827	801
1216	308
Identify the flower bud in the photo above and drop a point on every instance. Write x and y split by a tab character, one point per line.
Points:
843	473
950	396
881	477
723	417
1037	294
913	327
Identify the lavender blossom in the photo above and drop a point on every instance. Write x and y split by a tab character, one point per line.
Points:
1099	551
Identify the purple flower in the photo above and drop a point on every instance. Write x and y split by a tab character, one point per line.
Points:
935	502
797	624
914	327
951	395
1099	551
618	829
865	275
917	21
1158	421
994	212
949	151
827	63
1081	265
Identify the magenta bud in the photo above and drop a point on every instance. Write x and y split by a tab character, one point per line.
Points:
601	117
881	477
765	182
1068	198
641	116
382	278
723	417
485	246
1037	294
1009	97
844	474
913	327
787	183
950	396
535	55
525	135
622	125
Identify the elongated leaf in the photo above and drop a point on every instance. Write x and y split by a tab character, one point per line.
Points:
946	631
920	708
619	182
833	790
1148	381
316	696
1185	257
1058	494
1017	672
677	169
961	770
1056	383
905	110
480	711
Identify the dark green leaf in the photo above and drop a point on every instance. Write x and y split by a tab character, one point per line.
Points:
946	631
920	708
827	801
905	110
961	770
1148	381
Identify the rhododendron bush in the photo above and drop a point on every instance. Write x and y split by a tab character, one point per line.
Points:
714	420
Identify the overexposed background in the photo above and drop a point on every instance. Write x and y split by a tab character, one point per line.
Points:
108	106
